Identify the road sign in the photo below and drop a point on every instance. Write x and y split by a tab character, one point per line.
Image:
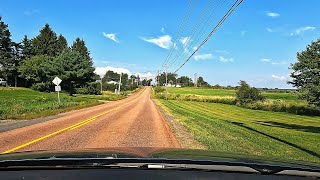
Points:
57	88
56	81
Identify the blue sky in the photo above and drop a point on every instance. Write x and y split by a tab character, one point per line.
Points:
257	43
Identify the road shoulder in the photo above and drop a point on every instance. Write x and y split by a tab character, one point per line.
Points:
184	137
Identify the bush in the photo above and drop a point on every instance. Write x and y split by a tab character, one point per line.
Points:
90	88
42	87
159	89
247	94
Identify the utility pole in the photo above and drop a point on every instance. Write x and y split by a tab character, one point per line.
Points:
158	78
119	83
101	84
166	82
195	80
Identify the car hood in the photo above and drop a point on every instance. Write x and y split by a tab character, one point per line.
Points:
154	153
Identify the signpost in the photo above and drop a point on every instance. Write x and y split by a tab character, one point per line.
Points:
57	88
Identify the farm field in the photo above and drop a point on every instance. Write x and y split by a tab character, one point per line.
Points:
228	128
23	103
227	92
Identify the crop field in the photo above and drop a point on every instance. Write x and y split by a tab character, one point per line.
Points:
227	92
229	128
23	103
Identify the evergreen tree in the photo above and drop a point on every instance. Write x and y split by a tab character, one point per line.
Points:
74	70
6	51
80	46
26	48
62	44
45	43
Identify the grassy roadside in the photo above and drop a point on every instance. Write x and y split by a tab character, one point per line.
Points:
228	128
23	103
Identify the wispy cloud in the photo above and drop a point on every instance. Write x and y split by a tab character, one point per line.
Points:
270	30
161	41
111	36
301	30
185	40
222	52
272	14
265	60
198	57
30	12
279	78
270	61
225	60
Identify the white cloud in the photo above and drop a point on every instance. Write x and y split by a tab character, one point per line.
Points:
185	40
198	57
270	61
279	78
101	71
302	30
222	51
111	36
270	30
272	14
31	12
162	30
147	75
161	41
265	60
223	59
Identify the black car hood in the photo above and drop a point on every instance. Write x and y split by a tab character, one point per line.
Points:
154	153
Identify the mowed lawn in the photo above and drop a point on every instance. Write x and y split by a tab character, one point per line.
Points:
229	92
228	128
23	103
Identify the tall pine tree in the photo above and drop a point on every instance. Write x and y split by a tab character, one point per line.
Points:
6	51
26	48
45	43
80	46
62	44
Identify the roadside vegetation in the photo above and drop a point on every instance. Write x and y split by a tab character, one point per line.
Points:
24	103
233	129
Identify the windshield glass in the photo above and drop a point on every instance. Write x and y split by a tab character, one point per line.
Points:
231	79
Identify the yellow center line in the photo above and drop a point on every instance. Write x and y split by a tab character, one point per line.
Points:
72	127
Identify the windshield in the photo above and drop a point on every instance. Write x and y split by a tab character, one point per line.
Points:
228	78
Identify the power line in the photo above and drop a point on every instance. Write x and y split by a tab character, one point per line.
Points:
199	34
197	24
233	7
183	25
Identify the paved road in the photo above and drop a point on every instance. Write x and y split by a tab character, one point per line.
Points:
131	122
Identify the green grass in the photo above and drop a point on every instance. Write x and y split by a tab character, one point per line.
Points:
23	103
227	92
232	129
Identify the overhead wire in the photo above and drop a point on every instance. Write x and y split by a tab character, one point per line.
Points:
182	27
231	9
200	33
202	16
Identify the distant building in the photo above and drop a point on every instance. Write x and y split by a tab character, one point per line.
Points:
112	82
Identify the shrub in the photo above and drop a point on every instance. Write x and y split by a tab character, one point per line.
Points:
90	88
246	94
42	87
159	89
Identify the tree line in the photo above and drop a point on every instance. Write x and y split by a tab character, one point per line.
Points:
183	81
34	62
